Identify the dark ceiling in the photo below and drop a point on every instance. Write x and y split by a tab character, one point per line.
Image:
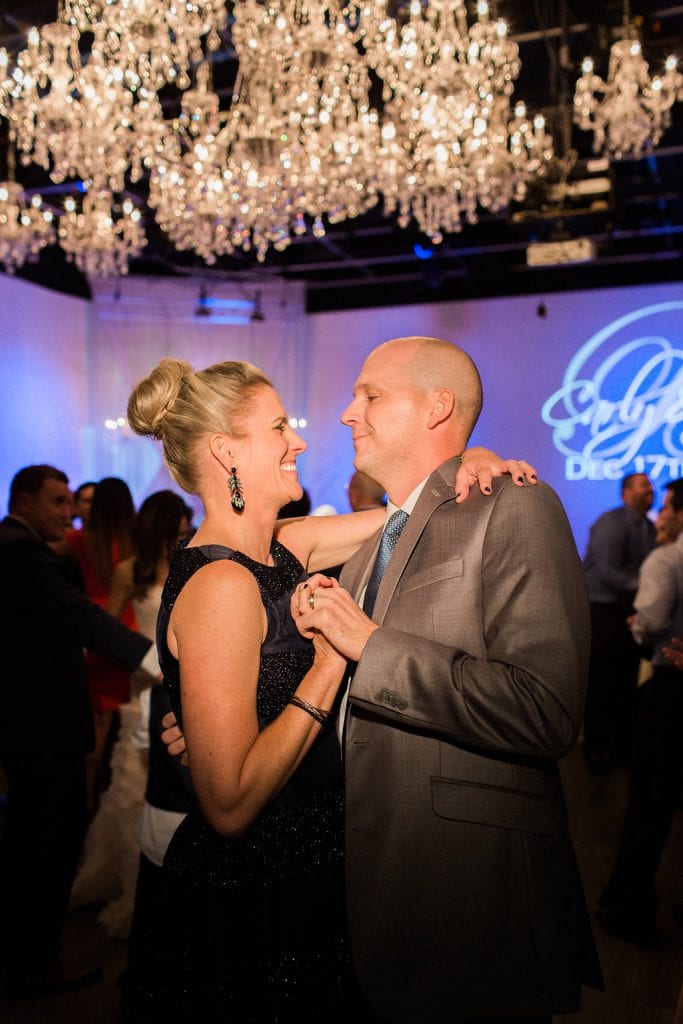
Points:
636	227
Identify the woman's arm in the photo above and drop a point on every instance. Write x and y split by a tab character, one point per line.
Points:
323	541
216	628
121	589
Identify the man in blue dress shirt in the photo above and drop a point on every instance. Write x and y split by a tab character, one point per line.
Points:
620	540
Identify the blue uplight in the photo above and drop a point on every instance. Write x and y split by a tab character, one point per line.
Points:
422	253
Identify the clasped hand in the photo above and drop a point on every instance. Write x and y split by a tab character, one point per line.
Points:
320	605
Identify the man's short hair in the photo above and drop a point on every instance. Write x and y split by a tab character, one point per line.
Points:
628	480
676	488
30	479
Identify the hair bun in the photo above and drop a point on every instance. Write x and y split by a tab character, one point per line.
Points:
155	395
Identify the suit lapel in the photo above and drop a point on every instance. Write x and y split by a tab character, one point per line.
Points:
357	570
437	490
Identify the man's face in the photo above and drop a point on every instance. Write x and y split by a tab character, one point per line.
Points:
669	519
48	511
385	416
639	494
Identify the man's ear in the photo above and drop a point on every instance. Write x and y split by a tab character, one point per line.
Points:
443	403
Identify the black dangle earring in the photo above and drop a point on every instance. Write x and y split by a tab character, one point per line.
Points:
236	499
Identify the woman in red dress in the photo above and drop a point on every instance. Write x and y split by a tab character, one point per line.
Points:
99	547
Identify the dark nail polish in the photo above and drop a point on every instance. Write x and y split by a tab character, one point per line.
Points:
487	490
533	476
520	479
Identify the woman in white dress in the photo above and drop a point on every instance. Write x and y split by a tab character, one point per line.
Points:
124	822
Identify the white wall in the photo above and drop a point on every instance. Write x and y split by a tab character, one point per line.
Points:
44	382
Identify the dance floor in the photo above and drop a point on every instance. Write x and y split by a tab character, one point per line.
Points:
643	986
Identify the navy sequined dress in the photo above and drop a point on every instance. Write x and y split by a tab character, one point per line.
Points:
260	932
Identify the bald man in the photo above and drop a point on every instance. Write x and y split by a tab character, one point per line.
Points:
365	493
464	898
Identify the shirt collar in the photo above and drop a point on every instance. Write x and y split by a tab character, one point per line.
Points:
409	504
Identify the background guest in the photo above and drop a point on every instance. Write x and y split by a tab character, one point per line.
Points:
169	796
364	492
619	542
106	540
81	503
628	905
109	868
46	728
299	507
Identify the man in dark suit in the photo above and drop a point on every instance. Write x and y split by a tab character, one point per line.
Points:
45	728
464	898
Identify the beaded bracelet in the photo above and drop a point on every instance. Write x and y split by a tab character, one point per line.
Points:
316	713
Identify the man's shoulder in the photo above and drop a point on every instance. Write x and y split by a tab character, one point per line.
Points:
19	544
663	558
509	508
508	494
613	517
13	531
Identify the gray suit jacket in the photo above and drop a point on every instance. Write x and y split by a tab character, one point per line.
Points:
464	895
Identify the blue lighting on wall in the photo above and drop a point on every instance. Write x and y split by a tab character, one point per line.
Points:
620	406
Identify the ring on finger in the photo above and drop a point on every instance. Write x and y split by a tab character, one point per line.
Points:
311	601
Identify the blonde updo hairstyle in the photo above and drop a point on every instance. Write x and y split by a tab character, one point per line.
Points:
179	407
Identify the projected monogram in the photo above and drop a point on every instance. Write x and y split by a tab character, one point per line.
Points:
620	407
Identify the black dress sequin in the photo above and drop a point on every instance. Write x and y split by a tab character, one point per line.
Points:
259	931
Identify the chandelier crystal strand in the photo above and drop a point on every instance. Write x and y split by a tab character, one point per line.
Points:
43	116
450	141
628	112
99	241
301	137
7	84
193	194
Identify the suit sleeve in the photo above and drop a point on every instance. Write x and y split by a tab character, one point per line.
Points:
525	696
62	605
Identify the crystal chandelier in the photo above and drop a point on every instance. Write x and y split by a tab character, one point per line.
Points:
630	110
151	42
24	229
99	241
301	139
300	142
450	140
83	121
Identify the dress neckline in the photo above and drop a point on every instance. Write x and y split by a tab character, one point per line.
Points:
207	548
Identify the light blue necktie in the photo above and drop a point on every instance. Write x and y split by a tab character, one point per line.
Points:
392	531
